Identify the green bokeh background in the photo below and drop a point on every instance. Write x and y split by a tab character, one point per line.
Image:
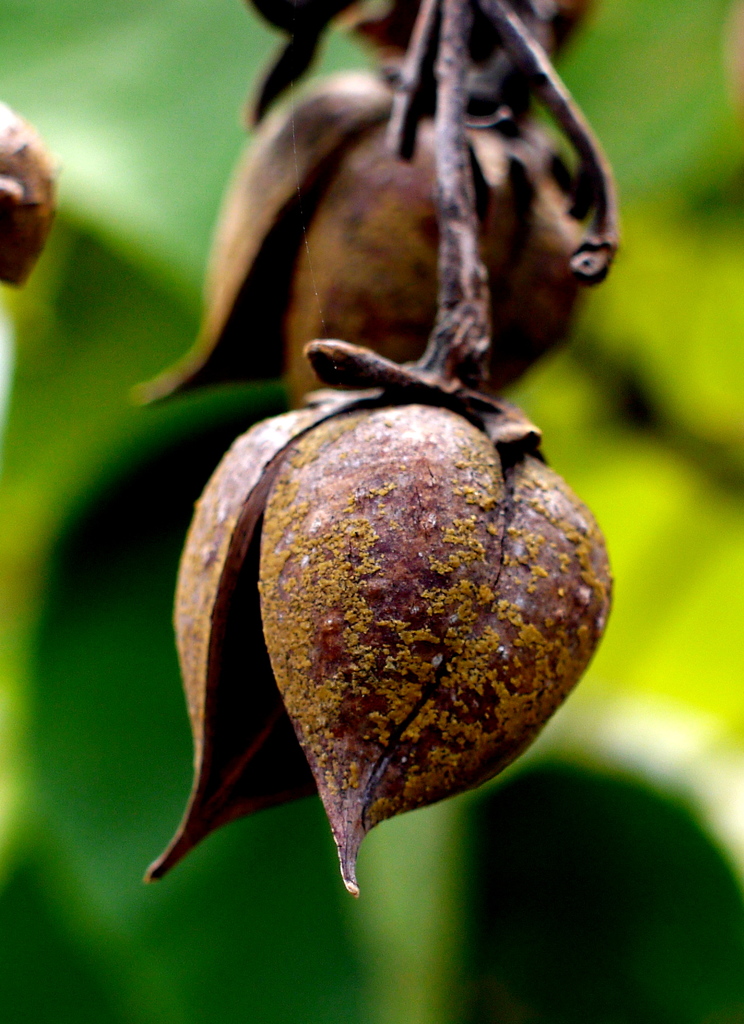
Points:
600	880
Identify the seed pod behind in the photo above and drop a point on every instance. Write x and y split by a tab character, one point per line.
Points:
368	270
27	199
425	609
326	233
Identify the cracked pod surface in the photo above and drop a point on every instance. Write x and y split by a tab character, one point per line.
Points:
368	267
426	604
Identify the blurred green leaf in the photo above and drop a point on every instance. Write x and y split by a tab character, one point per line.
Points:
88	327
409	922
142	103
109	699
643	418
650	76
673	309
256	926
675	542
47	971
594	898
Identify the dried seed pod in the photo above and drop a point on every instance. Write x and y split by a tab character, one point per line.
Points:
379	285
426	604
354	253
429	590
27	199
473	579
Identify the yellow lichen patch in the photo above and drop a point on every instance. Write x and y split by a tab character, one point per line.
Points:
353	775
381	492
329	565
537	572
530	544
309	448
461	534
474	496
408	635
480	465
506	610
586	540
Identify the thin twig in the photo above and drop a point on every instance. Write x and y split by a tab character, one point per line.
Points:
592	260
459	343
400	127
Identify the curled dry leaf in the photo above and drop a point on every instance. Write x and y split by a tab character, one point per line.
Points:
430	592
325	233
27	196
260	229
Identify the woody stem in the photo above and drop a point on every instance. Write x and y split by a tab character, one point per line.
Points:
459	344
403	117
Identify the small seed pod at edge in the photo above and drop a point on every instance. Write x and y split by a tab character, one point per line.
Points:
27	196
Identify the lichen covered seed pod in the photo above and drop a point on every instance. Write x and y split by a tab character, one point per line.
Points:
27	196
426	607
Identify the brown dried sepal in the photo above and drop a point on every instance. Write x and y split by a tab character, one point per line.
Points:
246	756
260	229
27	196
426	607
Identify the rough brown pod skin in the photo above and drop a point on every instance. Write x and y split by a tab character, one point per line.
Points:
355	256
426	607
392	536
27	196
